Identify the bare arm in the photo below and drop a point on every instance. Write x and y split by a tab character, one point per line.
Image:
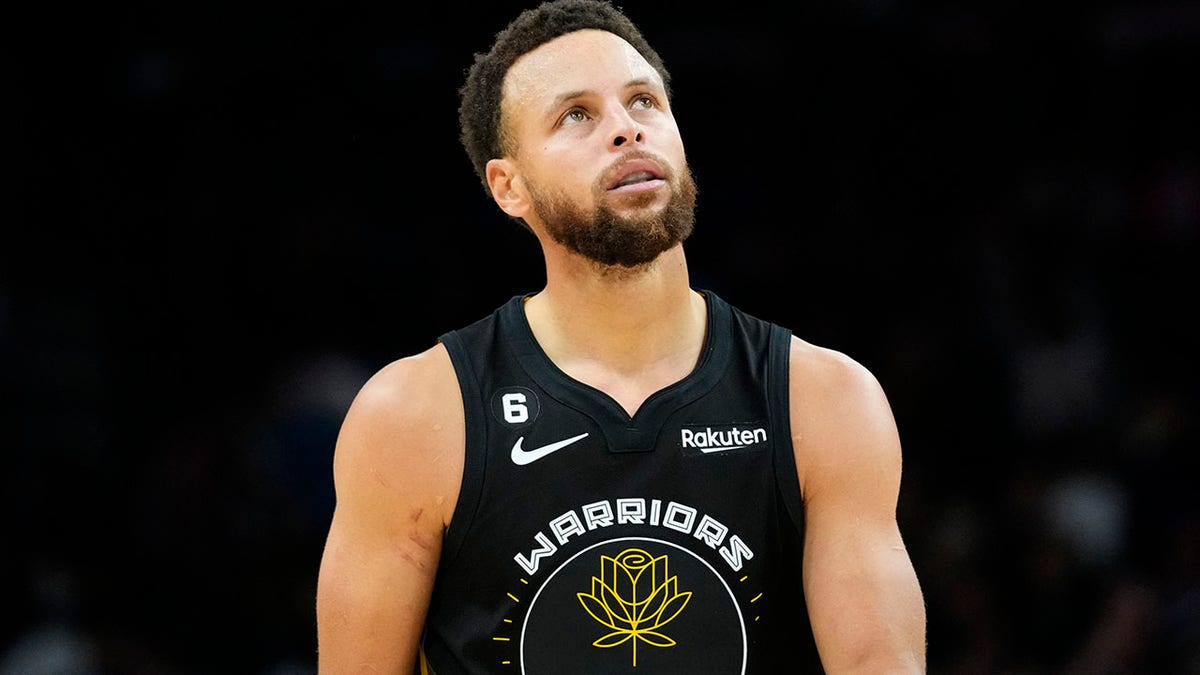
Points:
864	599
397	469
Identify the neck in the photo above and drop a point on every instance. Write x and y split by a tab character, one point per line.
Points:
628	333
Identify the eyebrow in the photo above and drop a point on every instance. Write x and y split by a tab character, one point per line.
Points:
567	96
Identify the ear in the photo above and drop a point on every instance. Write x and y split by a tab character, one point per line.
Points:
506	187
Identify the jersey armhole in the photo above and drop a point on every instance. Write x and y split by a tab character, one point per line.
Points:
786	477
474	451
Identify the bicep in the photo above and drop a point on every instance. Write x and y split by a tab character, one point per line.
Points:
372	595
864	601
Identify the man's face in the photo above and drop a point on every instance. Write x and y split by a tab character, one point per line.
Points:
598	152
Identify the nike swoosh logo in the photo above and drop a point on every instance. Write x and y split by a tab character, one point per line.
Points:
522	457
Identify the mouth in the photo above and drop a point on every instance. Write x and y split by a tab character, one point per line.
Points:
638	175
635	177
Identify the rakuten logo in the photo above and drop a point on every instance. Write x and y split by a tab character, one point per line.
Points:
708	440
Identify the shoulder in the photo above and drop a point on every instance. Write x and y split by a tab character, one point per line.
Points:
405	429
402	392
824	373
841	421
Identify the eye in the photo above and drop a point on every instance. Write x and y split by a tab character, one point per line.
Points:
644	102
574	116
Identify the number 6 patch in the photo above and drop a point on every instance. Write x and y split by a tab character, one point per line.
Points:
516	406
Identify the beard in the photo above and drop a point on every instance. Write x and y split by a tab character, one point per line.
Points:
607	238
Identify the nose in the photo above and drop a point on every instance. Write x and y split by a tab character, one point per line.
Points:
625	128
621	139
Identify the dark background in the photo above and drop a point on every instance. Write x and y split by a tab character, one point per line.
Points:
228	216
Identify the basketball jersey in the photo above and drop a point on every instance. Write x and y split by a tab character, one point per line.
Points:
586	542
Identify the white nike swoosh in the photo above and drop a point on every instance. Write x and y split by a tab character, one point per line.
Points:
522	457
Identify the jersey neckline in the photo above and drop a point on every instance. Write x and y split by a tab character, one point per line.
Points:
636	433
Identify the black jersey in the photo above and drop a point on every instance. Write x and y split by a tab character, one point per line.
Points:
588	542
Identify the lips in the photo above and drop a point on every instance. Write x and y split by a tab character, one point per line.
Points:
636	177
636	171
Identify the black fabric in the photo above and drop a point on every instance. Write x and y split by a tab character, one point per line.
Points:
589	541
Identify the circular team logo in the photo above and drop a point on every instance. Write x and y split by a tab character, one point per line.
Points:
633	605
516	406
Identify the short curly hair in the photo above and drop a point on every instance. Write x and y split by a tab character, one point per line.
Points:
480	125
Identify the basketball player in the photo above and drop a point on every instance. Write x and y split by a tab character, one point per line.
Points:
617	473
